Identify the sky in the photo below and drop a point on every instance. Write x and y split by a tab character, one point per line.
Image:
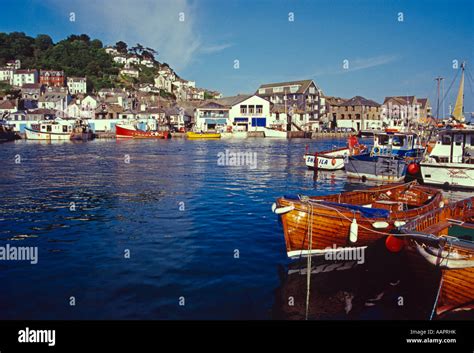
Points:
390	47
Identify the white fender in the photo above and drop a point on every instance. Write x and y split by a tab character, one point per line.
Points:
353	231
282	210
380	225
399	223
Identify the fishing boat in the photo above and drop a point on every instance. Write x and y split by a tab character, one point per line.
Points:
332	159
57	129
202	135
81	131
350	219
451	161
395	143
130	130
443	239
7	132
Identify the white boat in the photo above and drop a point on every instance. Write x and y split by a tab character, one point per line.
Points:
234	134
328	160
451	161
57	129
273	133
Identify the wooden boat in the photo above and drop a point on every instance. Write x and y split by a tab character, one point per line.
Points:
350	219
444	239
57	129
331	159
202	135
131	131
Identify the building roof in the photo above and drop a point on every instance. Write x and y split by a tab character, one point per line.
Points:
43	111
31	86
7	104
401	100
423	102
360	101
304	85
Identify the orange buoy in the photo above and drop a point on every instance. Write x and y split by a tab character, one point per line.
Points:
394	244
333	162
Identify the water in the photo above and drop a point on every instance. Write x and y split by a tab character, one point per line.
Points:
198	233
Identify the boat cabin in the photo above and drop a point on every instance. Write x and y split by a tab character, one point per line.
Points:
398	143
54	127
454	146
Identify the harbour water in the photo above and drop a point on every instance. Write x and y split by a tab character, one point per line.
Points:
148	229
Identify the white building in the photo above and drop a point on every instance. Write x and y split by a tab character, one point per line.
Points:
77	85
135	60
147	63
20	77
111	51
131	72
120	59
237	113
6	74
164	83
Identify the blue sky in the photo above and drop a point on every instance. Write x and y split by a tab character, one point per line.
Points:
386	57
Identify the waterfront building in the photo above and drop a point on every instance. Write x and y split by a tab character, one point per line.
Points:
358	113
237	113
6	74
32	91
303	102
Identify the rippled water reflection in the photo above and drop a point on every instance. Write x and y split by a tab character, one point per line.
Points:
174	253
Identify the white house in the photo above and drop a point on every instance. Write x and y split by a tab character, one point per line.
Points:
111	51
135	60
77	85
237	113
147	63
164	83
131	72
20	77
6	74
120	59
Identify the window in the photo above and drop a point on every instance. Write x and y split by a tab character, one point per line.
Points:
48	128
446	140
64	128
243	109
251	109
259	109
277	116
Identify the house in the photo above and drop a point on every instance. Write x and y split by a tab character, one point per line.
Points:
109	92
180	91
164	83
14	64
133	60
400	111
88	103
147	62
304	101
108	111
359	113
53	78
24	76
425	108
32	91
120	59
6	74
7	107
77	85
148	88
111	51
130	72
237	113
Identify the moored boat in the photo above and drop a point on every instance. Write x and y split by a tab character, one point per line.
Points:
131	131
350	219
443	239
202	135
333	159
7	132
57	129
377	168
81	131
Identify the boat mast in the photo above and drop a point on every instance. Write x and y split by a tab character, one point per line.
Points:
438	79
458	112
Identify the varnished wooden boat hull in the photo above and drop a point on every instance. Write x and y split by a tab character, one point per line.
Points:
455	259
331	224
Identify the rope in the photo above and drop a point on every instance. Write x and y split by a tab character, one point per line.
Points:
308	270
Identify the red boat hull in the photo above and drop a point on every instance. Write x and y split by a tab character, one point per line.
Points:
123	132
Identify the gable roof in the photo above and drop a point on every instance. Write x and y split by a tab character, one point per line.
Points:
304	85
401	100
359	101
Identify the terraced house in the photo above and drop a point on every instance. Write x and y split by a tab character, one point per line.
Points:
299	104
52	78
